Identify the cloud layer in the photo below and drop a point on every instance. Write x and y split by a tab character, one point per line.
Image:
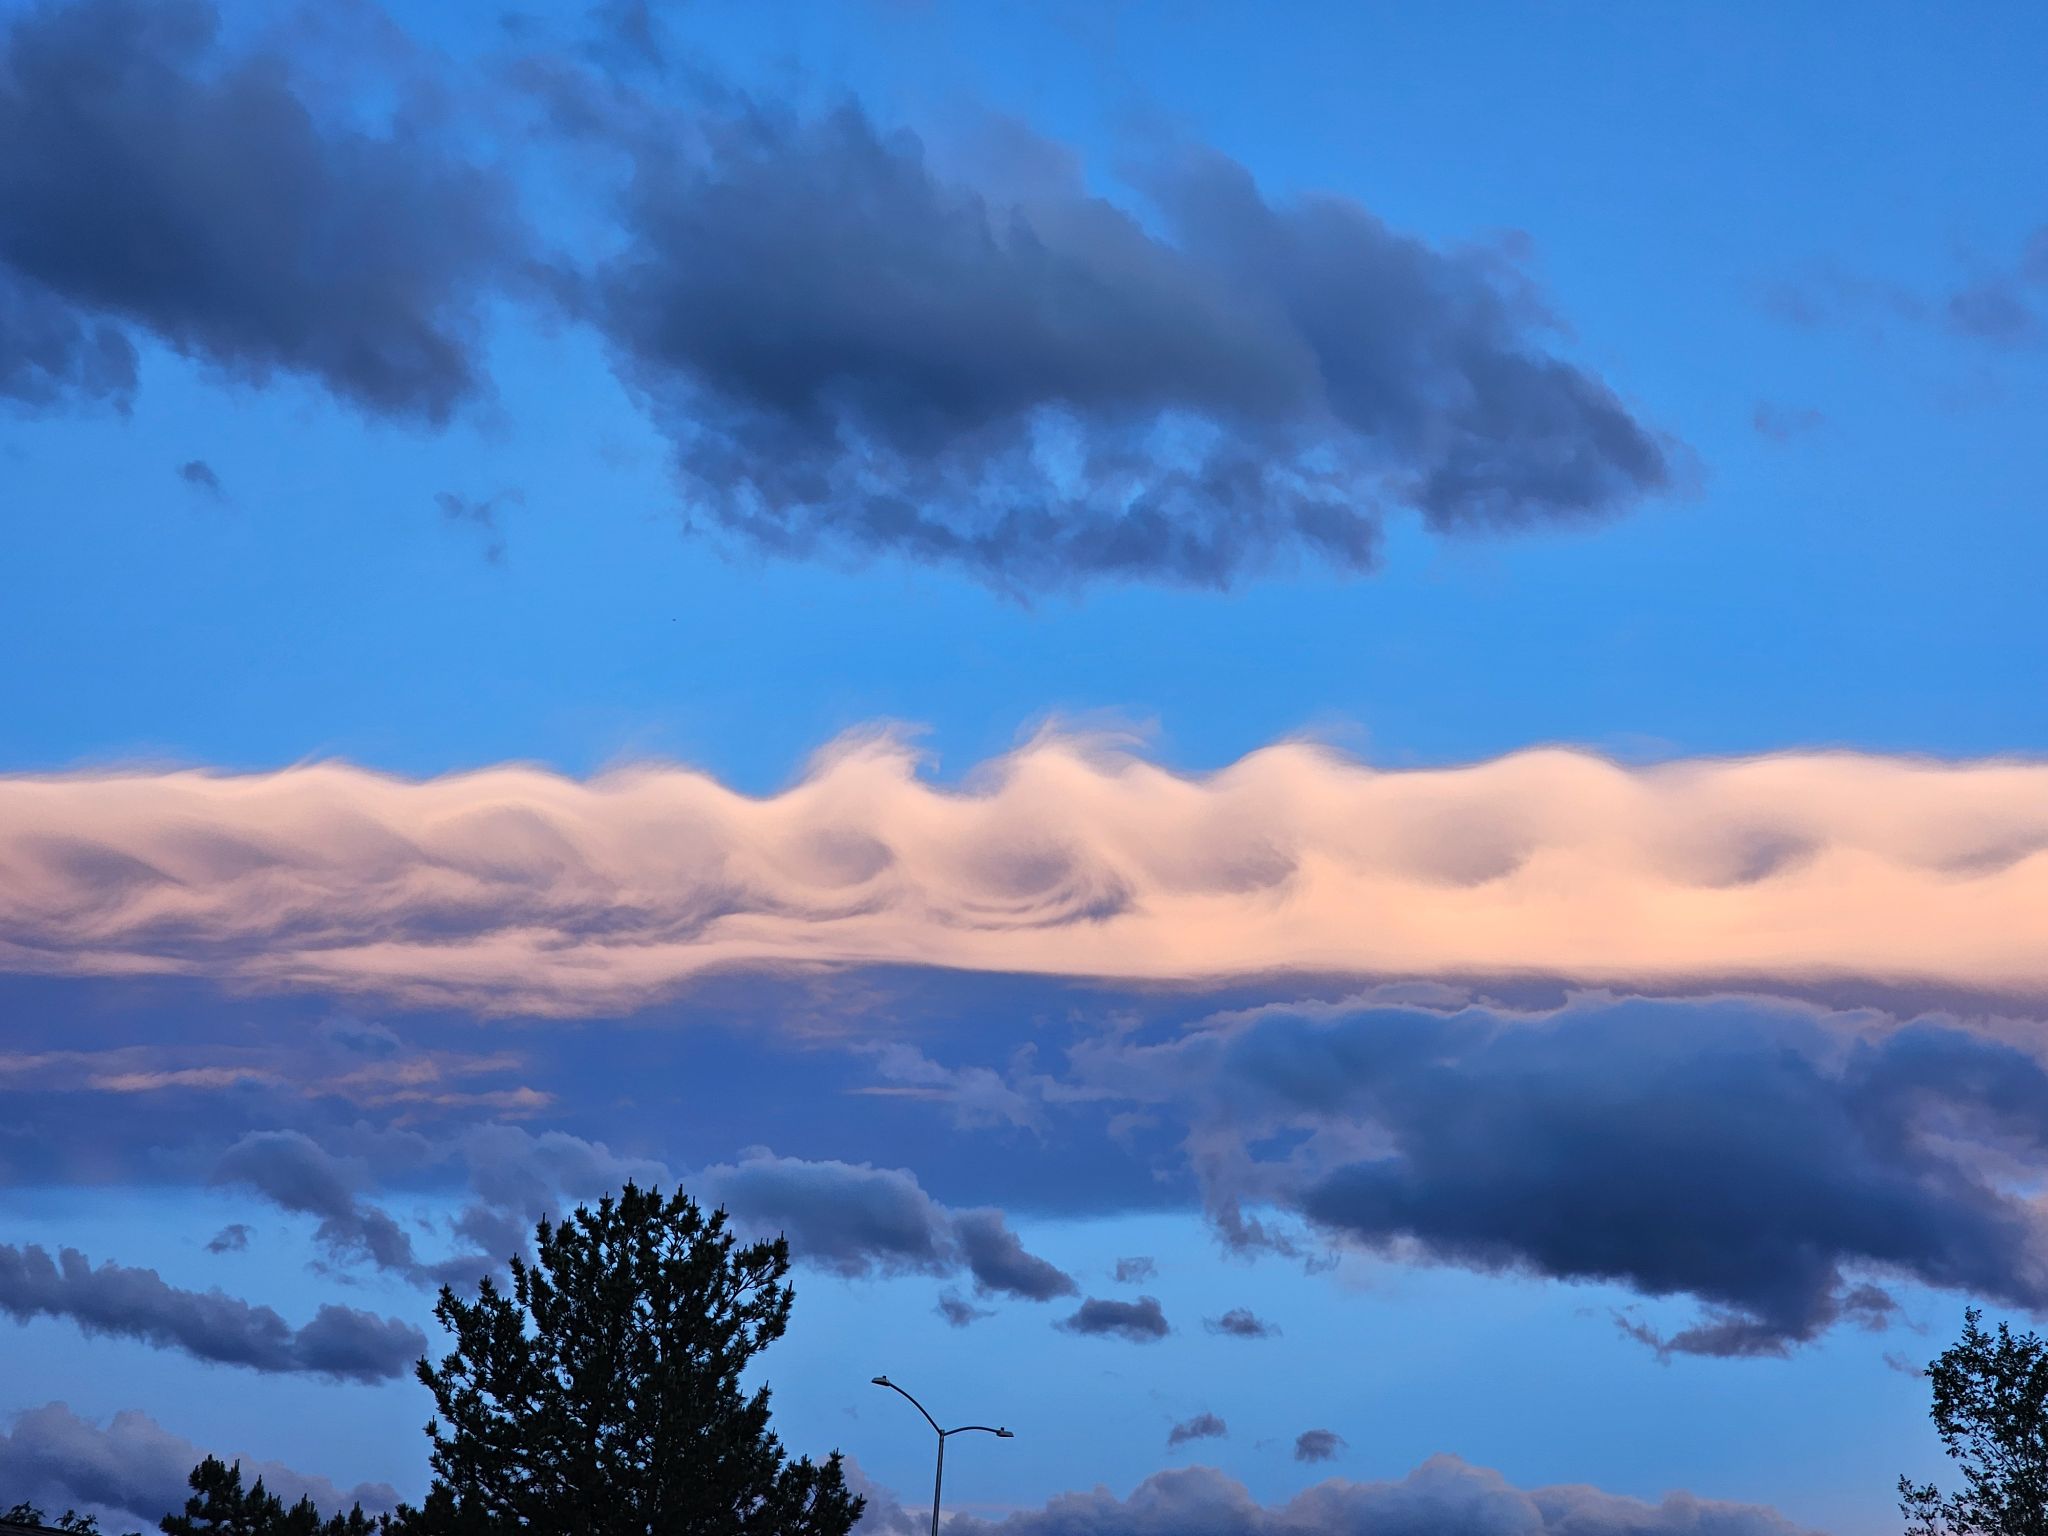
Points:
514	890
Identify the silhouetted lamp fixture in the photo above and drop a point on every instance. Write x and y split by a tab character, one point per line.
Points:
939	1477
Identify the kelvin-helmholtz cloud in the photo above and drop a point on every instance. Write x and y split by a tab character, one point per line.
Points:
854	350
514	890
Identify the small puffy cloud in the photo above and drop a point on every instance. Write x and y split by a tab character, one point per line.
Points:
199	474
1240	1323
1317	1445
125	1302
960	1312
1140	1321
480	513
232	1238
1203	1426
134	1467
1135	1271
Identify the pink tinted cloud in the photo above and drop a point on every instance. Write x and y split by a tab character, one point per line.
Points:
518	890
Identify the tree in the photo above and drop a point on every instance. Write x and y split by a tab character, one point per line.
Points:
1991	1410
26	1513
602	1395
221	1506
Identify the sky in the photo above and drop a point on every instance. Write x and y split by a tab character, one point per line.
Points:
1317	736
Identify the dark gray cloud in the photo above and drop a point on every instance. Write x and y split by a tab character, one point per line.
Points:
135	1469
1775	1162
123	1302
857	354
49	352
996	1258
1135	1271
151	179
959	1311
1442	1497
1140	1321
1240	1323
294	1171
858	1220
1203	1426
232	1238
199	474
1317	1445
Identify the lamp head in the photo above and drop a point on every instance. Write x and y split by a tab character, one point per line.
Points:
1004	1434
882	1381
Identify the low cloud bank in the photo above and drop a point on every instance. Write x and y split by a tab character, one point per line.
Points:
518	891
134	1470
1442	1497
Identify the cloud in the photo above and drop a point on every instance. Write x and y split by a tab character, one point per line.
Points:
121	1302
1135	1271
857	352
857	1219
153	179
137	1469
1317	1445
1240	1323
997	1259
1203	1426
1782	423
1140	1321
482	514
960	1312
199	474
300	1176
1775	1161
49	353
514	890
232	1238
1442	1497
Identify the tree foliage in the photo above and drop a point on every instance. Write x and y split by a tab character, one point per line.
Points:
220	1504
1991	1410
26	1513
602	1395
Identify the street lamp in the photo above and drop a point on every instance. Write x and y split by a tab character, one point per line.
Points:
939	1477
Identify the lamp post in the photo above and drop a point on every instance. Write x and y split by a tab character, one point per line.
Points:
939	1477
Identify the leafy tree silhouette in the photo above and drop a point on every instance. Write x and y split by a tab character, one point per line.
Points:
1991	1410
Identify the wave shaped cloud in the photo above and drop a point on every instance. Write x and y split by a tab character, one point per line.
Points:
516	890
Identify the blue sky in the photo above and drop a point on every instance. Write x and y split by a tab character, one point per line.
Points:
1770	289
